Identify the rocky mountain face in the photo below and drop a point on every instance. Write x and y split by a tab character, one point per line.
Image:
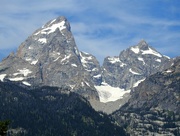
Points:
120	74
133	65
50	57
154	106
92	66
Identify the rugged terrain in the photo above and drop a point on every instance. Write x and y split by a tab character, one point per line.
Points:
154	106
48	71
51	57
54	111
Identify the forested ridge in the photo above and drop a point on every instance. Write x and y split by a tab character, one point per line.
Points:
51	111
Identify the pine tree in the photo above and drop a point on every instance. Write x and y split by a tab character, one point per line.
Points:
4	127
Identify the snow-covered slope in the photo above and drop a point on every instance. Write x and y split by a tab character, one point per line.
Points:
108	93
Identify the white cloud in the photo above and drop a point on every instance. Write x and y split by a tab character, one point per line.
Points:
96	25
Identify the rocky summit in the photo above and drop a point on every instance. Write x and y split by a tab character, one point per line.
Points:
133	65
50	57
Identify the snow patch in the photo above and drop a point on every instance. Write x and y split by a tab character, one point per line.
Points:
2	76
28	59
108	93
30	48
57	58
158	60
74	65
82	84
168	71
114	60
141	59
26	83
150	51
34	62
42	40
85	53
133	72
16	79
135	49
122	64
66	57
87	84
52	28
24	72
97	76
138	82
167	56
94	69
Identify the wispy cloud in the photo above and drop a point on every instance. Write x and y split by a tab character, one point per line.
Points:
111	25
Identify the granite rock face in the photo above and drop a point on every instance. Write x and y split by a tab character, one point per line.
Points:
50	57
154	106
133	65
92	66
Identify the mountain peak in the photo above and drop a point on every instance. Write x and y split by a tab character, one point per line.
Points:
143	45
60	23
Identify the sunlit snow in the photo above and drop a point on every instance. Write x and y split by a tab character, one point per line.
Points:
141	59
30	48
108	93
150	51
26	83
167	56
122	64
16	79
42	40
57	58
52	28
24	72
114	59
66	57
168	71
74	65
158	60
133	72
138	82
34	62
97	76
2	76
135	49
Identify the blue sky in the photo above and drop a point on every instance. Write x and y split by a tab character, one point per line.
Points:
100	27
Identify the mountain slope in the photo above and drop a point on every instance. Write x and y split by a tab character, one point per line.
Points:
120	74
50	57
51	111
154	106
133	65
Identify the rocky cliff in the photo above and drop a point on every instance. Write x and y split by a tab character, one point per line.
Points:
154	106
50	57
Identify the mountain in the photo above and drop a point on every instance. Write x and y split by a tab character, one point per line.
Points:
120	74
50	57
154	106
54	111
133	65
